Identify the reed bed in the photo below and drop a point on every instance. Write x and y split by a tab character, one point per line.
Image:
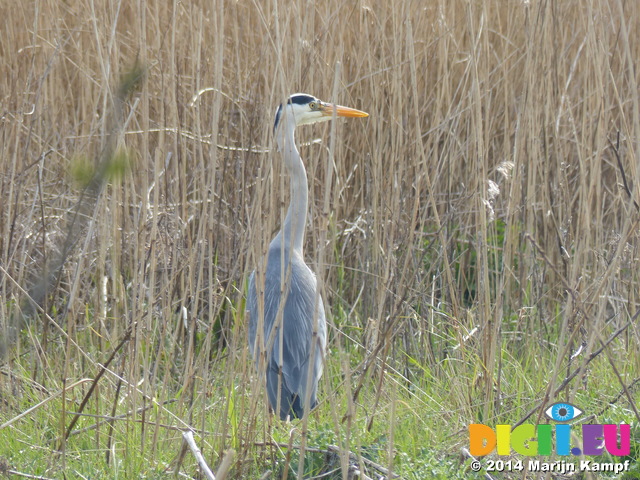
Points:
476	237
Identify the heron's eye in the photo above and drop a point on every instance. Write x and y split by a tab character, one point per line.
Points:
313	106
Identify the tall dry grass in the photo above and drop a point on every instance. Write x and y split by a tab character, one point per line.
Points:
486	189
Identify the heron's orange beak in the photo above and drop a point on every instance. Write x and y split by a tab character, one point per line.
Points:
328	109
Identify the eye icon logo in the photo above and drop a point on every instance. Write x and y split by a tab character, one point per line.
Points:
562	412
552	438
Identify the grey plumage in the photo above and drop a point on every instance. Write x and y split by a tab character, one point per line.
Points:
297	319
287	325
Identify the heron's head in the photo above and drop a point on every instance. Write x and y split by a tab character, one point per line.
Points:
305	109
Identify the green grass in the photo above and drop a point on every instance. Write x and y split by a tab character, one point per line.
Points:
472	234
431	413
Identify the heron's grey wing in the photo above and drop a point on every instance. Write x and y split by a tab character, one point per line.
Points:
298	318
298	322
270	299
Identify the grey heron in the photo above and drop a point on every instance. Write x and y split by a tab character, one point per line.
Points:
291	338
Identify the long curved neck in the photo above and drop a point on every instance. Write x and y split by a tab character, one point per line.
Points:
292	232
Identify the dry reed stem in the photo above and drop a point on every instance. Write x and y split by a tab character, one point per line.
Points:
412	245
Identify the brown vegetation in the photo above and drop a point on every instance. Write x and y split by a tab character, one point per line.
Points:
494	185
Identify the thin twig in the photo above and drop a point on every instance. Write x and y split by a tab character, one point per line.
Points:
577	370
625	183
27	475
103	370
111	418
331	449
225	465
467	454
188	438
45	401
